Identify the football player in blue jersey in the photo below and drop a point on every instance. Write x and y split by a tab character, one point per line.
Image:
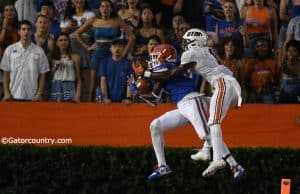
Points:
191	107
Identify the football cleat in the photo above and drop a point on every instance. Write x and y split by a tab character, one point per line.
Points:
202	154
237	171
213	167
160	171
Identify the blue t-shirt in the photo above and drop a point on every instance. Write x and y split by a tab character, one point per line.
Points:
55	28
210	19
229	29
116	73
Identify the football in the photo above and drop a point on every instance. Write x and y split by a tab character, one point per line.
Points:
143	85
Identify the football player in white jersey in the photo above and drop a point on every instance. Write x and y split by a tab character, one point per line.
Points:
199	57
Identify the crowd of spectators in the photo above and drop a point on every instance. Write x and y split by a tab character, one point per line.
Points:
65	50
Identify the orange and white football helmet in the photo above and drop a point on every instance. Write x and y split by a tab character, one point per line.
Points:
160	54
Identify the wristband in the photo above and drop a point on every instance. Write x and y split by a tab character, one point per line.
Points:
147	74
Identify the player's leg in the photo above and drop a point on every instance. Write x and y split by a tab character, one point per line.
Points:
195	110
158	126
216	105
222	99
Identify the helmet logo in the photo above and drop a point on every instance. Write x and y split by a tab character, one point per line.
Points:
193	33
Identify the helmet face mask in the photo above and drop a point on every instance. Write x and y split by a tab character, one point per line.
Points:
153	60
194	38
187	43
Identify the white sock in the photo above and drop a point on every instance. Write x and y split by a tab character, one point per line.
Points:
158	144
216	141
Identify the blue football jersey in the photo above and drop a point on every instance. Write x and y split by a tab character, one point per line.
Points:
181	85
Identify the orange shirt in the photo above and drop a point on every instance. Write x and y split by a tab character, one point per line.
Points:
258	72
258	20
10	38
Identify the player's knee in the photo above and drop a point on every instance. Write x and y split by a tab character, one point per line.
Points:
155	125
215	130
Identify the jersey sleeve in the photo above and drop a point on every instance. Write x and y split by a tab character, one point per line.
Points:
161	67
187	57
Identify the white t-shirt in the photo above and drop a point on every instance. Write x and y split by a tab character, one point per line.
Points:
294	28
80	20
24	67
66	71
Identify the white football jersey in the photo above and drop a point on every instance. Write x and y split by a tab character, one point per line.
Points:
208	63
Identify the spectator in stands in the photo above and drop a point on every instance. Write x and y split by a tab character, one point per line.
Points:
146	28
26	10
293	30
66	82
260	74
60	7
152	42
48	10
245	6
94	4
260	22
114	72
231	26
8	27
239	4
168	8
76	14
172	35
24	65
285	12
231	56
271	4
8	30
131	15
155	6
290	74
182	28
106	27
213	13
42	36
5	2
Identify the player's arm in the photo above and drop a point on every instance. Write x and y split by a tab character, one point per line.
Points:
170	74
157	75
181	69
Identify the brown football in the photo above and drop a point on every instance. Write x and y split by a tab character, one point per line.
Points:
143	85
